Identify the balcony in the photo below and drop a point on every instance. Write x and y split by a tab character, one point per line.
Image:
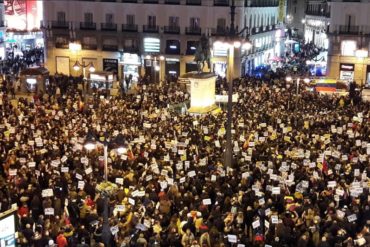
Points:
150	1
129	1
219	31
193	2
60	24
259	3
344	29
318	13
221	2
150	29
262	29
174	2
107	47
171	29
108	27
87	25
193	30
89	46
130	49
129	28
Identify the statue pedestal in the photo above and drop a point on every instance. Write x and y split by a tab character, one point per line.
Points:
203	93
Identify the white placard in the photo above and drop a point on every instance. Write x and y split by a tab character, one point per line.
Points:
256	224
274	219
49	211
114	230
47	192
88	171
191	174
276	190
64	169
120	208
131	201
352	217
31	164
81	185
232	238
78	176
207	201
12	172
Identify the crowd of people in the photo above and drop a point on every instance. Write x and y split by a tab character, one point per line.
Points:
299	175
16	61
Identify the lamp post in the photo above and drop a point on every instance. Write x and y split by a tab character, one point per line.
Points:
290	79
235	42
119	145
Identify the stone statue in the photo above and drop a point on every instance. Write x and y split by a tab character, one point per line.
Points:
203	54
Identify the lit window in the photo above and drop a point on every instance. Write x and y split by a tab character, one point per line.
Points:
348	47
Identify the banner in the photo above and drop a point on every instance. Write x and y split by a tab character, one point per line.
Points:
110	65
23	14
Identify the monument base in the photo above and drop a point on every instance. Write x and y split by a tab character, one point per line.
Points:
203	110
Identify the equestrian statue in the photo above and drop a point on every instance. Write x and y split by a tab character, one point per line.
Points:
203	54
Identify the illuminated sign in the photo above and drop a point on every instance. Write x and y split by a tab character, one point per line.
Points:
23	14
7	230
152	45
129	58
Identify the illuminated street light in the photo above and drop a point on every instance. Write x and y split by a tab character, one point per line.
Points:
288	78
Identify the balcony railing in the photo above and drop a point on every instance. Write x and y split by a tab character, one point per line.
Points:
193	2
318	13
88	25
344	29
150	29
89	46
175	2
131	49
263	29
219	31
129	27
221	2
171	29
60	24
259	3
107	47
108	26
193	30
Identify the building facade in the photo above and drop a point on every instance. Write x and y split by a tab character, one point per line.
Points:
295	16
348	35
2	31
317	22
155	37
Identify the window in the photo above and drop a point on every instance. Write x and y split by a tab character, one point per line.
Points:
61	16
173	21
88	17
130	19
109	18
221	23
195	22
348	47
152	45
152	21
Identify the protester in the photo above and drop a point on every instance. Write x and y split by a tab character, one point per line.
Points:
299	174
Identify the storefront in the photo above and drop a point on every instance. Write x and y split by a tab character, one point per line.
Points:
34	80
102	81
367	84
111	65
172	67
131	64
346	71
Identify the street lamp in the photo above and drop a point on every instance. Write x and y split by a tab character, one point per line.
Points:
118	143
236	42
78	65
